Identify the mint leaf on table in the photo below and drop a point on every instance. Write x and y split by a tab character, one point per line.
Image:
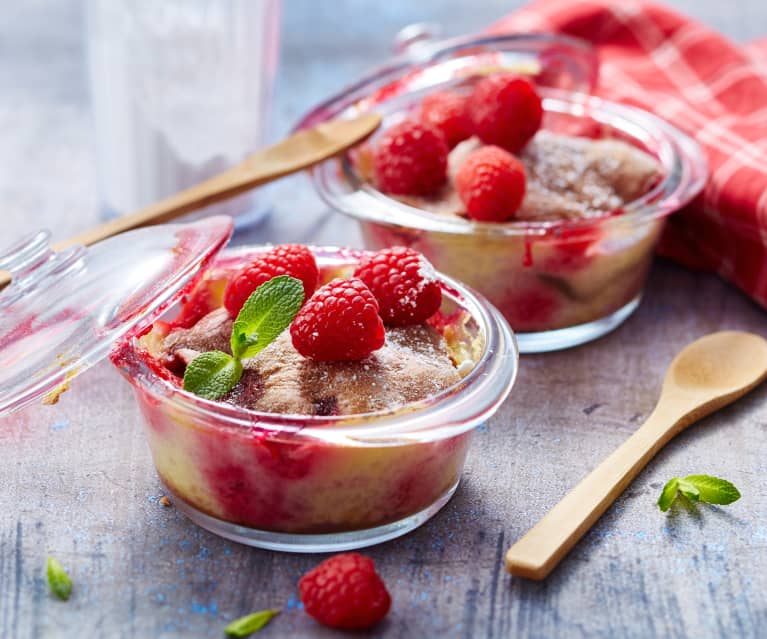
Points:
58	579
668	494
212	374
266	313
689	490
714	490
247	625
704	488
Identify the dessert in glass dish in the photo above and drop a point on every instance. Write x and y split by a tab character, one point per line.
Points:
317	400
294	398
495	163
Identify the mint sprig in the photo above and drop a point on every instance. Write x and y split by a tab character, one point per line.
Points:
704	488
247	625
212	374
58	579
713	490
668	494
266	313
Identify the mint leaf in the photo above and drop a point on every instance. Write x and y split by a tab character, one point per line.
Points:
706	488
713	490
240	342
58	579
249	624
266	313
212	375
689	490
668	494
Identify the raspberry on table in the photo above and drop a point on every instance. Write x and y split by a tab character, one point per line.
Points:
491	183
505	110
345	592
410	158
404	284
447	112
286	259
339	323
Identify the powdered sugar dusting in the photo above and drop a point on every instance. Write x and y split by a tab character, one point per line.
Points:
567	178
413	364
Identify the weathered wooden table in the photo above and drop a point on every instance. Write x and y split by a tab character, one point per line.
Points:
77	482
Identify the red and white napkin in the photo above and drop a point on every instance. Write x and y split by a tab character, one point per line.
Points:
709	87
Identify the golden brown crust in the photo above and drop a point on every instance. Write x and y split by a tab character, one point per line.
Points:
413	364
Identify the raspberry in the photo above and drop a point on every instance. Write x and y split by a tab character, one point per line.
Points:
411	159
403	283
491	183
287	259
345	592
340	322
447	112
505	110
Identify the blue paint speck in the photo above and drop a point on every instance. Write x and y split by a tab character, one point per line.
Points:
424	596
60	424
204	552
294	603
227	551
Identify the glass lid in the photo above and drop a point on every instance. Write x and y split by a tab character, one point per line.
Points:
554	61
63	311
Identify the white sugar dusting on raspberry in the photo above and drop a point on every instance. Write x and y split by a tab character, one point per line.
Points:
426	275
426	272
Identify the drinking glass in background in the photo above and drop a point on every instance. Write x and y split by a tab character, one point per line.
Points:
180	90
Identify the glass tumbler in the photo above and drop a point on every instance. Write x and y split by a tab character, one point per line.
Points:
180	90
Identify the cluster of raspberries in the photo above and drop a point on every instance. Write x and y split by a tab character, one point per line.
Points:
504	111
344	319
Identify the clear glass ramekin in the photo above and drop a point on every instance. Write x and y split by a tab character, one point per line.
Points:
319	484
558	283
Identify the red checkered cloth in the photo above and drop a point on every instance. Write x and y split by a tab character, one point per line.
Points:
711	88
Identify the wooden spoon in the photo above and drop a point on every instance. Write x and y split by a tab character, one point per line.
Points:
706	376
295	153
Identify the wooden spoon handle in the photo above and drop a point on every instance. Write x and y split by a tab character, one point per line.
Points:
543	547
295	153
